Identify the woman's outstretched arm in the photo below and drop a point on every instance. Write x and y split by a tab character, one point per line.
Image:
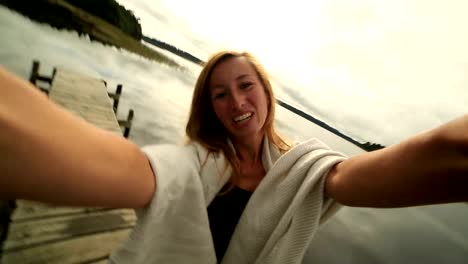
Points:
428	168
50	155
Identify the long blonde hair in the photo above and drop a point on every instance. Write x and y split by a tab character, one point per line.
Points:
204	127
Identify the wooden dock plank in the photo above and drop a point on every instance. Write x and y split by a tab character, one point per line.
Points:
104	261
29	233
76	250
96	115
30	210
85	96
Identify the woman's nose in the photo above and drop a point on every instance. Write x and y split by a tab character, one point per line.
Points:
238	100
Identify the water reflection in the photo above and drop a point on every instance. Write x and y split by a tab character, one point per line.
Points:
160	97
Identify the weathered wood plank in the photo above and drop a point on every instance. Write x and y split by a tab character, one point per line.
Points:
28	210
85	96
29	233
77	250
104	261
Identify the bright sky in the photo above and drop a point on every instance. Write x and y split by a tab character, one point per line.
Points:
382	70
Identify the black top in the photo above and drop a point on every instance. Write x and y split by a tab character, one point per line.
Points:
224	213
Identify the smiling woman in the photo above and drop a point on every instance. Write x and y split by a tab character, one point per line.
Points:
242	105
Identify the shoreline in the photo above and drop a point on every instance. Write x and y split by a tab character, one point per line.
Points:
174	50
96	28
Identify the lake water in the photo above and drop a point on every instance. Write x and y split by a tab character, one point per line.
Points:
161	96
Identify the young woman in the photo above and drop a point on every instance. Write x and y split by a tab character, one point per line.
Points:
237	192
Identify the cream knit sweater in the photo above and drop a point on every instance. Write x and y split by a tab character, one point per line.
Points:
278	222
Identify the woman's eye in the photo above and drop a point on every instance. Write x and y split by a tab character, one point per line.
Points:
219	95
246	85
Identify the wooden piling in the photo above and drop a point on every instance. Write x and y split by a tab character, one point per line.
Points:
34	72
116	97
127	124
35	76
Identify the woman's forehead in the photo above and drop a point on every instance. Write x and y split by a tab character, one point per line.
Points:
231	69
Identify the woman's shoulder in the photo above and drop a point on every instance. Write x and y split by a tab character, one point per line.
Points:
315	146
189	151
311	141
168	152
311	145
169	147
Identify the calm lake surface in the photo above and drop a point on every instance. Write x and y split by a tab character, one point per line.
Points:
161	97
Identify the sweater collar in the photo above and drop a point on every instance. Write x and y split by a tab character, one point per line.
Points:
270	153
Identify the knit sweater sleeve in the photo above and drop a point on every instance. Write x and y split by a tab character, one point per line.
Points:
172	229
329	206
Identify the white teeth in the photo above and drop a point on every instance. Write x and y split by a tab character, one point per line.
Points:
242	117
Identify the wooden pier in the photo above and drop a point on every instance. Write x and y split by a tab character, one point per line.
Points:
41	233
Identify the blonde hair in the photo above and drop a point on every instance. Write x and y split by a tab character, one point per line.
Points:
203	125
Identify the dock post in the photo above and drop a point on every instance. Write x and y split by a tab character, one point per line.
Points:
35	76
127	124
118	92
116	97
34	72
54	71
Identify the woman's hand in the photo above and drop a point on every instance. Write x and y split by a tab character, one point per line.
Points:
429	168
50	155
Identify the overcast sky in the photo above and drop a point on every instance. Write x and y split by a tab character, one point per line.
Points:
380	70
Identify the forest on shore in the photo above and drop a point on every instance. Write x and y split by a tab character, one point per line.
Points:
51	12
105	21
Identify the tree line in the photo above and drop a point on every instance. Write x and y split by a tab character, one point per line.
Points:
45	11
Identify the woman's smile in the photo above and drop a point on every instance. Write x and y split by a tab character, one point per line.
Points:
243	118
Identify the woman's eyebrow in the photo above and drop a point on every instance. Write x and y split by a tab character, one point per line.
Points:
217	87
221	86
242	76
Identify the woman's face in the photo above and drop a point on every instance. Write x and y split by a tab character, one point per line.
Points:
239	98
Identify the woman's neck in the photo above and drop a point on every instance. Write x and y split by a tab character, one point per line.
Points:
249	150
